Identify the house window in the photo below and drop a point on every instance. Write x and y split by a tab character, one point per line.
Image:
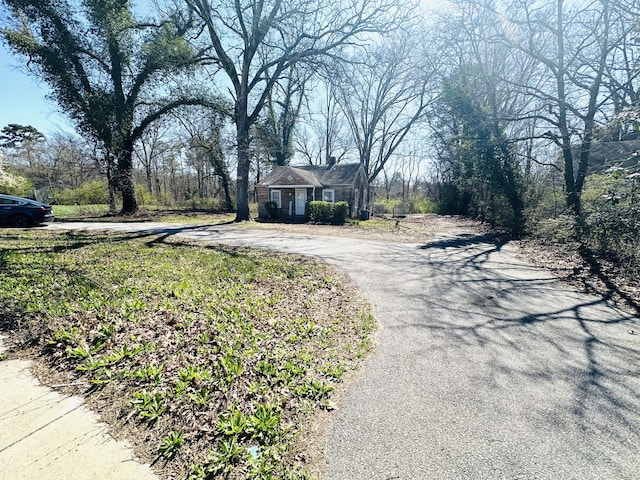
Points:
276	196
328	195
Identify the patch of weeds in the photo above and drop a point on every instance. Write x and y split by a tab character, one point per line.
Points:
313	389
193	374
293	369
150	405
264	462
336	371
221	460
171	444
66	336
105	332
232	423
149	373
116	355
309	328
103	375
258	388
238	348
92	364
264	423
123	352
232	365
364	347
78	353
266	368
203	396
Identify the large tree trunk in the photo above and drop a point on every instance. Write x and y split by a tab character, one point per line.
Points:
127	185
228	204
572	196
112	183
224	180
281	159
244	163
517	205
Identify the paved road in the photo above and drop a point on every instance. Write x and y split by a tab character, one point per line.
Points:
486	367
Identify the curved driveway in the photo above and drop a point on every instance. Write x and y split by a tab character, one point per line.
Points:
486	367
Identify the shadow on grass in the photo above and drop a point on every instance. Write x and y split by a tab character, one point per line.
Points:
143	216
613	290
33	243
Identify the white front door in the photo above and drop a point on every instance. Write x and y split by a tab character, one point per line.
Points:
301	200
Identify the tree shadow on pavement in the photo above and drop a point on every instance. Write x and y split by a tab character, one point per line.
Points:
571	358
466	240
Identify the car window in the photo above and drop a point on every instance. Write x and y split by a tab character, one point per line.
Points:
8	201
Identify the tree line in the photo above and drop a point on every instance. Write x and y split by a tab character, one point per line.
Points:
500	104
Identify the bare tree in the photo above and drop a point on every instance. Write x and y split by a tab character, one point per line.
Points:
254	42
70	161
151	147
409	165
326	133
203	129
384	93
573	45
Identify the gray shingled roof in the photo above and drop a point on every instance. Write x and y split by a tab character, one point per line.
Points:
316	175
608	154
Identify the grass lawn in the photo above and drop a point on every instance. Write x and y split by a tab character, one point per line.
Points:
411	229
100	213
214	362
65	212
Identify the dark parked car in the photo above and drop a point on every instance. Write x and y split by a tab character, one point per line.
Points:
22	212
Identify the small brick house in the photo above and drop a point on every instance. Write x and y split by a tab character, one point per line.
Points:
291	188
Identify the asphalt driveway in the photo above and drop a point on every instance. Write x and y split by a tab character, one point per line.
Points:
486	367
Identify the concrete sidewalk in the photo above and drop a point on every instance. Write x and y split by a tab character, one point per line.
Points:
46	435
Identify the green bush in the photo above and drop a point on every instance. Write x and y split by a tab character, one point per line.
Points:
420	205
86	194
386	205
198	203
327	212
272	209
414	204
143	196
317	211
609	225
340	213
611	218
557	230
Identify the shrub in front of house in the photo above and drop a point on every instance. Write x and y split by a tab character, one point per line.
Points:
327	212
340	213
272	209
317	211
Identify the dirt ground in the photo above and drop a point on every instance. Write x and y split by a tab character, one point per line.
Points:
417	228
